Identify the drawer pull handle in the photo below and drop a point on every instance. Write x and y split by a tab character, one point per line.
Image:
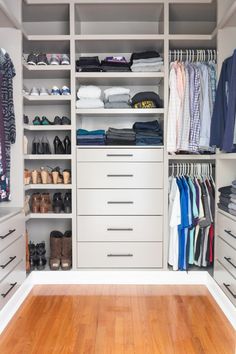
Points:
113	202
120	155
227	286
120	175
6	264
8	291
230	233
120	255
229	261
128	229
8	234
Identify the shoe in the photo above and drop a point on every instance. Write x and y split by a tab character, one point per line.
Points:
57	120
44	175
67	203
54	60
55	249
36	148
32	59
27	204
27	176
65	91
25	91
43	91
66	253
65	60
58	146
45	121
67	145
57	204
45	202
37	121
55	91
66	176
35	202
46	149
34	92
42	59
65	121
25	119
32	255
40	252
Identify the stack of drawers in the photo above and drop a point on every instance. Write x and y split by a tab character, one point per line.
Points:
225	263
12	256
119	208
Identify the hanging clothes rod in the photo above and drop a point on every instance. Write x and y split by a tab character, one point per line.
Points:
192	169
191	55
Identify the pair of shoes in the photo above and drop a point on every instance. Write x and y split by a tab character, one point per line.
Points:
60	250
58	177
41	203
60	147
41	121
39	92
62	121
58	205
41	147
37	59
64	91
37	257
62	59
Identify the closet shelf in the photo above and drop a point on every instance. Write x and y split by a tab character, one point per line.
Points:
46	71
47	216
47	127
229	18
52	37
7	19
119	147
192	41
121	111
47	186
47	157
191	158
54	100
230	156
115	37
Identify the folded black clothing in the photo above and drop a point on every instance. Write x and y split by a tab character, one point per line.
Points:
149	133
115	68
115	64
120	142
120	137
150	126
147	96
89	69
124	131
225	200
223	207
144	55
227	190
85	61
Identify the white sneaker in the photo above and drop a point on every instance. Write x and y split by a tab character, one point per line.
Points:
65	60
34	92
43	91
54	60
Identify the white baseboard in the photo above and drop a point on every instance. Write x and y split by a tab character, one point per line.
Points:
137	277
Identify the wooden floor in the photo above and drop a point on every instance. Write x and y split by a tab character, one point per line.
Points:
118	319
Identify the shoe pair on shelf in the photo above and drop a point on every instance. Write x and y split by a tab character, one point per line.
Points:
42	147
60	250
64	91
42	59
40	203
37	257
62	147
57	121
44	176
55	91
62	205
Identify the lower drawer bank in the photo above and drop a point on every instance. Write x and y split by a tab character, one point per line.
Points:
226	281
119	254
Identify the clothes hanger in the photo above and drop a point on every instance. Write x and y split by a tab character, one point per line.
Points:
3	51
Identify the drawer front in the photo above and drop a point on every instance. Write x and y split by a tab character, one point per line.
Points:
226	255
118	155
11	283
11	229
120	228
120	202
226	229
11	256
226	281
120	175
119	255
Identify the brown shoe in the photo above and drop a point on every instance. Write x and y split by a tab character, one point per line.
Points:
45	203
35	202
55	249
66	259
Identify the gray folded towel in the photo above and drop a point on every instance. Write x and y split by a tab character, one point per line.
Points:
119	98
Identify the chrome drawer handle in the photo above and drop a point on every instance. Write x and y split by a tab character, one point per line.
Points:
120	175
6	264
228	259
8	291
120	155
120	255
8	234
114	202
227	286
229	232
116	229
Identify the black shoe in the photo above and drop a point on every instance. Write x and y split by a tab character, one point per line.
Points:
32	59
41	251
57	204
67	203
67	145
58	146
42	59
57	120
25	119
46	150
36	150
65	121
32	255
37	121
46	121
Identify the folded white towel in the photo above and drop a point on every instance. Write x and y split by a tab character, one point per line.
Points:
89	103
116	91
89	91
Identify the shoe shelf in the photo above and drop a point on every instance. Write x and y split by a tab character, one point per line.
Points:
32	216
48	37
47	186
121	111
29	100
46	71
47	127
48	157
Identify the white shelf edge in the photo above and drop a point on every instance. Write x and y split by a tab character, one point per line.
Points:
114	37
49	67
229	156
32	216
47	157
130	75
47	98
38	37
104	111
47	127
191	157
160	147
194	37
47	186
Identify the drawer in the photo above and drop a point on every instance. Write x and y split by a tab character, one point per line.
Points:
226	281
11	256
120	175
120	202
118	155
119	255
11	229
226	255
120	228
11	283
226	229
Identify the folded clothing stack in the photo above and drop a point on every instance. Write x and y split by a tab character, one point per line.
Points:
117	97
88	64
148	133
227	200
93	137
89	97
146	61
120	137
115	63
147	99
